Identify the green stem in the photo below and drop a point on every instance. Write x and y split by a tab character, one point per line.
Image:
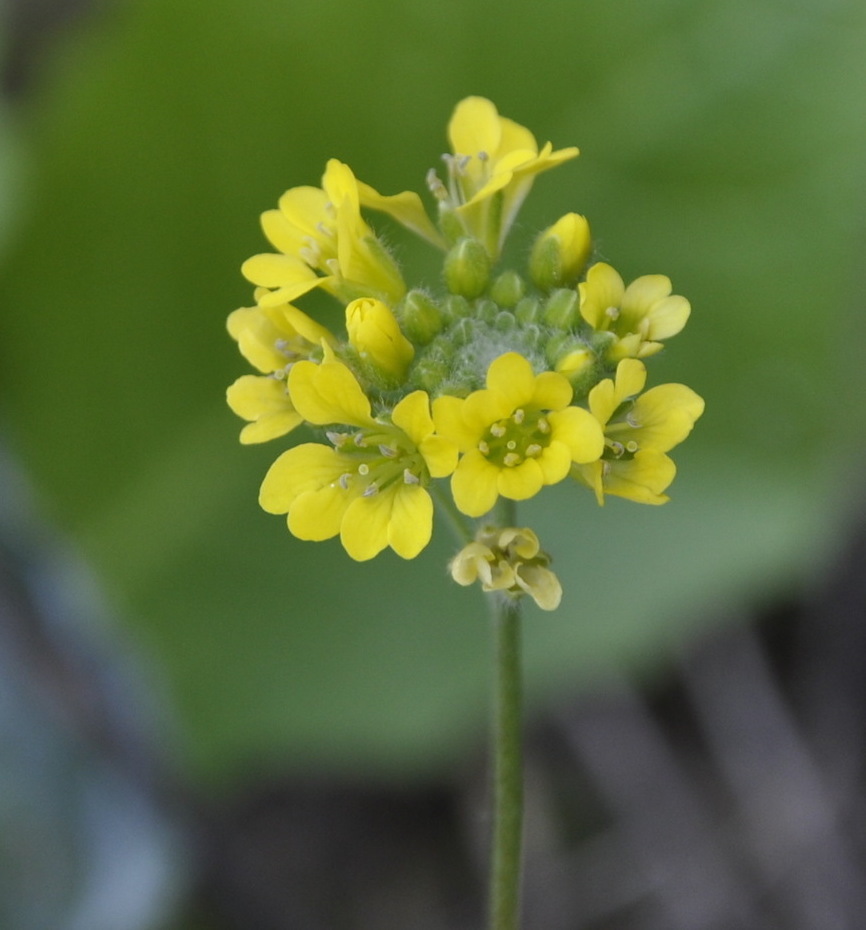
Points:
507	769
462	529
506	862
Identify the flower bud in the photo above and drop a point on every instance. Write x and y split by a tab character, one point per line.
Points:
467	269
375	334
562	309
560	253
507	289
528	310
420	317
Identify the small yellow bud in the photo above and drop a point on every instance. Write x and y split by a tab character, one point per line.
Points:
374	332
560	253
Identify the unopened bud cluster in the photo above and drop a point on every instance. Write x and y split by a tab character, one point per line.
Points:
499	382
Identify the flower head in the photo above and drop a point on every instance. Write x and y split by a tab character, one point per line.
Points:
322	241
639	316
516	436
638	430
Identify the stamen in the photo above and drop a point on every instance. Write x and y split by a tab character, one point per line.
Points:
497	430
511	459
543	426
483	448
616	447
336	438
387	451
612	313
519	415
435	185
344	481
325	230
359	440
632	420
533	449
410	477
370	490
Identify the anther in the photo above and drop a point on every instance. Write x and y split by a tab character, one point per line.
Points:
344	481
612	313
543	426
435	185
511	459
497	430
370	490
336	438
483	448
387	451
616	447
632	420
533	449
409	477
359	440
519	415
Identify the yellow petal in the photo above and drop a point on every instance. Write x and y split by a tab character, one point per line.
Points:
406	208
474	484
411	524
412	415
664	415
580	431
449	421
552	391
642	479
440	455
276	270
475	126
328	393
364	529
668	317
522	481
317	515
556	460
541	584
304	468
511	376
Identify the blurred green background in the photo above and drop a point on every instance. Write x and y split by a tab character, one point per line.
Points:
723	143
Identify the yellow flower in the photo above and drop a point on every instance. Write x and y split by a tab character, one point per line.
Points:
370	486
638	315
373	330
494	164
638	431
322	241
271	338
516	436
508	560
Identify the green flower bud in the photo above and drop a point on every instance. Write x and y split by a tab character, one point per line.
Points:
507	289
528	310
455	308
420	317
573	358
505	322
430	373
562	309
560	253
450	224
467	269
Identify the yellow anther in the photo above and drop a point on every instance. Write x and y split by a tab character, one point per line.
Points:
511	459
519	415
533	449
497	430
483	448
543	426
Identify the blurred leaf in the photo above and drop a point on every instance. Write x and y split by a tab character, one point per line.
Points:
722	144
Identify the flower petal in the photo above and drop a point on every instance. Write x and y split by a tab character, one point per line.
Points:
328	393
579	431
307	467
411	524
474	484
511	376
364	530
317	515
522	481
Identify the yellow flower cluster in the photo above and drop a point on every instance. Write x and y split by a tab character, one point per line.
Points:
503	384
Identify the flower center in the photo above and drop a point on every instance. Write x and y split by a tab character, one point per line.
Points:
375	459
510	441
